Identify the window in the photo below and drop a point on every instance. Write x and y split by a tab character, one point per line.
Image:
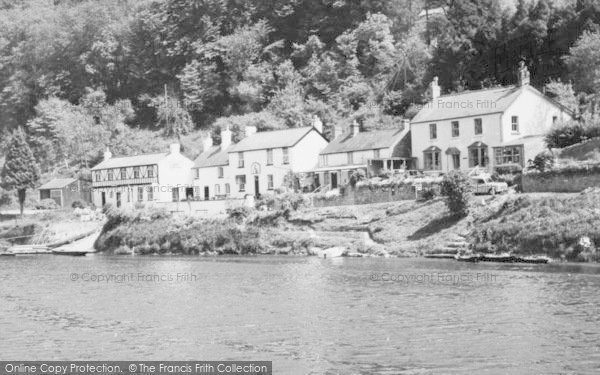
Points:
455	129
123	174
326	178
227	189
97	176
220	172
432	160
478	126
514	120
150	171
270	181
376	154
240	160
241	182
508	155
197	173
286	155
432	131
136	172
456	161
217	189
140	194
110	175
478	156
150	194
270	156
175	194
196	191
554	119
324	160
350	157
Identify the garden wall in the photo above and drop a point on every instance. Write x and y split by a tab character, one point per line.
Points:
561	182
368	196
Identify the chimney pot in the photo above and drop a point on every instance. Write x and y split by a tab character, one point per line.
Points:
107	154
435	88
355	128
174	148
523	74
317	124
225	138
207	142
250	130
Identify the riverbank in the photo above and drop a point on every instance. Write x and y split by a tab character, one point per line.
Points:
561	226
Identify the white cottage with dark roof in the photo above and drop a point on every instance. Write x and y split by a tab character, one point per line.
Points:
483	128
144	179
257	164
373	152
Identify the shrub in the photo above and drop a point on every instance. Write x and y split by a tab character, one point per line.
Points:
543	161
77	204
239	214
428	193
456	188
46	204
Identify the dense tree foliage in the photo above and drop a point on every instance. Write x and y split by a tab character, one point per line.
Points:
78	75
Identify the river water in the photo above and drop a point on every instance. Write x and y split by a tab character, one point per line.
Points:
307	315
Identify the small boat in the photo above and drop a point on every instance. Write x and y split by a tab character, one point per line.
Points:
29	249
502	258
74	253
468	258
534	259
6	254
440	256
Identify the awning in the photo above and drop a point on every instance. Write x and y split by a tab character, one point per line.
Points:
478	144
452	151
432	149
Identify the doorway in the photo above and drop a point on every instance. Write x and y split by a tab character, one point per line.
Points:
206	193
189	193
103	198
118	199
334	182
256	187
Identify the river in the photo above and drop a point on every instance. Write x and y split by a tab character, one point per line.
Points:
307	315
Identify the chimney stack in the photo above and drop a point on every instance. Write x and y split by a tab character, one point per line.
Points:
405	123
337	131
317	124
225	138
523	74
107	154
355	128
434	88
250	130
174	148
207	142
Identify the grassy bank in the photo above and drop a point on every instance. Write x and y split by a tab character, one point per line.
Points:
557	225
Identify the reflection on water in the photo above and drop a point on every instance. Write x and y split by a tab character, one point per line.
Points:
307	315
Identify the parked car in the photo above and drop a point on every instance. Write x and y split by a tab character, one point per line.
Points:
485	185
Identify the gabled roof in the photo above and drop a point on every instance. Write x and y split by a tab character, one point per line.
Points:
271	139
57	183
468	103
367	140
476	103
131	161
212	157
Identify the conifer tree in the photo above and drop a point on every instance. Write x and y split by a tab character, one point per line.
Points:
20	171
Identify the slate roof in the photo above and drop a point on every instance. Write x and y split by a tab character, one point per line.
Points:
130	161
213	157
468	103
271	139
57	183
367	140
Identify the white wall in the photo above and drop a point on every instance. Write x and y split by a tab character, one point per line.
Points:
304	156
420	139
174	171
535	115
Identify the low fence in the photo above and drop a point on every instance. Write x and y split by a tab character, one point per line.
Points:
209	208
561	182
373	195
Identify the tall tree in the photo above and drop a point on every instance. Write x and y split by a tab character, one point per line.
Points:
20	171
